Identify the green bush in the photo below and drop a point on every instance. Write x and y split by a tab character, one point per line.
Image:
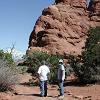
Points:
91	55
34	61
53	62
87	67
78	68
8	76
6	56
53	75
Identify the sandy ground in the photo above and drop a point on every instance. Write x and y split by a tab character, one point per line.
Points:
24	92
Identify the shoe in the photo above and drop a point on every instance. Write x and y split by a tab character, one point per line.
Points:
41	95
61	97
58	95
45	95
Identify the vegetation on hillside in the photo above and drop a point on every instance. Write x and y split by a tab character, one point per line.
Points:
6	56
8	71
34	61
87	66
91	55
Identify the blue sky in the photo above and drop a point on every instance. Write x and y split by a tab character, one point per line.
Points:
17	19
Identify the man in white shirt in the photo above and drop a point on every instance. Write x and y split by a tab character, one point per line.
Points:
61	77
43	72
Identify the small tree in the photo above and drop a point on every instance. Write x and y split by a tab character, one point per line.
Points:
87	67
91	55
6	56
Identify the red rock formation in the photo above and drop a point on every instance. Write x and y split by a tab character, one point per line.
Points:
94	9
62	27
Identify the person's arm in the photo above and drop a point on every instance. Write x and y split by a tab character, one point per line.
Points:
63	73
39	72
48	74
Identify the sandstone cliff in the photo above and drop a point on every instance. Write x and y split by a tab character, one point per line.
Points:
62	27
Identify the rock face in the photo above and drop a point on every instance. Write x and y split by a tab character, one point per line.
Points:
62	27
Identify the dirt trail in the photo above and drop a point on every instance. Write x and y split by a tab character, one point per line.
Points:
71	92
32	93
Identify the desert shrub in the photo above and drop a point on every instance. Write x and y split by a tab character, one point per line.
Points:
34	61
53	75
78	68
53	62
91	55
8	76
87	67
6	56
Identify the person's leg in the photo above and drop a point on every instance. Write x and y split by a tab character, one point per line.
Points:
61	88
42	88
45	88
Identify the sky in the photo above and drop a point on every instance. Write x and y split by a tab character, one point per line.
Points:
17	19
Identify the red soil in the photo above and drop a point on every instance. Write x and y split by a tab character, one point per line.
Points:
71	92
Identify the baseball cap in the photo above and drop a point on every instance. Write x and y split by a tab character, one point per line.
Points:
60	61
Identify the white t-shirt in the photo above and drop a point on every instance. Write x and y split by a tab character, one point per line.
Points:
61	72
43	72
